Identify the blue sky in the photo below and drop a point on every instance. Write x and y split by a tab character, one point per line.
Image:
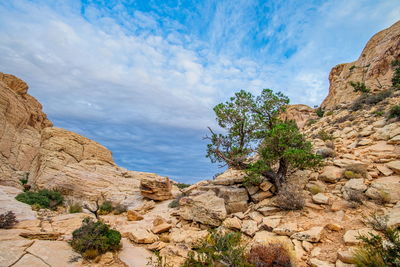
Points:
141	77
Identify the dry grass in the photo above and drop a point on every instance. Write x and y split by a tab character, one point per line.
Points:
274	254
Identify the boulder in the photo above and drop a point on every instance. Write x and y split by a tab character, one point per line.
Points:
394	165
331	174
156	189
387	187
230	177
350	237
8	202
204	208
356	185
249	227
161	228
232	223
320	198
189	236
138	234
133	215
311	235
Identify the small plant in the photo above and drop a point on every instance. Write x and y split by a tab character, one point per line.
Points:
383	197
370	99
94	238
47	199
218	248
396	74
324	136
359	87
356	198
290	197
174	204
106	208
315	189
23	181
355	171
273	254
345	118
394	112
7	220
352	68
182	185
379	250
311	122
376	221
320	112
75	208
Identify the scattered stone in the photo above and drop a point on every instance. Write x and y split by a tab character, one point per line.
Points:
331	174
318	263
249	227
385	187
311	235
265	186
320	198
161	228
350	237
133	215
187	236
334	227
261	195
138	234
205	208
270	222
356	185
156	188
346	256
384	170
287	229
394	165
41	235
232	223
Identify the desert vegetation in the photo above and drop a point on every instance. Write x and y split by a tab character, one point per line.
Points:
45	198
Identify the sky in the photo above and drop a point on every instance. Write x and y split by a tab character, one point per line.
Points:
142	77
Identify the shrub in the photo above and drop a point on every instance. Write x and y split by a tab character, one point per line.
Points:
324	136
311	122
370	100
320	112
396	74
182	185
394	112
106	208
315	189
23	181
356	171
44	198
274	254
376	221
218	248
359	87
345	118
75	208
379	251
290	197
355	197
7	220
94	238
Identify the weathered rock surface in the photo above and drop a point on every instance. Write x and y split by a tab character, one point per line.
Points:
205	208
374	64
156	188
9	203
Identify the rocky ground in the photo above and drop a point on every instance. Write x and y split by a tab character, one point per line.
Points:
360	176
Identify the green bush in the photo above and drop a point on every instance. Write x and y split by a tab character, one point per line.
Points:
218	248
94	238
379	250
324	136
370	100
182	185
394	112
23	181
119	209
320	112
359	87
396	74
106	208
75	208
44	198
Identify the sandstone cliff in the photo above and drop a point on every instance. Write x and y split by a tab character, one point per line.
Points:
373	67
56	158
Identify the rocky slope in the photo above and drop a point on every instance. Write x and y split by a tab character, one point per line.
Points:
361	175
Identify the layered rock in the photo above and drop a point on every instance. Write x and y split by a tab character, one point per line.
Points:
373	67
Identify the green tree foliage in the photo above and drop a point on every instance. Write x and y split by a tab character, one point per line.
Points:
284	147
359	87
44	198
94	238
394	112
245	119
396	74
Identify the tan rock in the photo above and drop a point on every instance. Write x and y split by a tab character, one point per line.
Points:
331	174
249	227
311	235
387	187
265	186
30	260
138	234
8	202
384	170
156	189
287	229
133	215
12	250
230	177
320	198
334	227
41	235
161	228
346	256
270	222
261	195
187	236
350	237
319	263
394	217
133	255
205	208
394	165
232	223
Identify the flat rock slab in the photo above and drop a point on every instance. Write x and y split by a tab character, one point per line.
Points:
134	256
311	235
350	237
12	250
30	260
8	203
54	253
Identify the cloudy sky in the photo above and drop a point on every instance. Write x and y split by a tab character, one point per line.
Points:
141	77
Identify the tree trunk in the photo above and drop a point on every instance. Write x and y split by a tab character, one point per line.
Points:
281	174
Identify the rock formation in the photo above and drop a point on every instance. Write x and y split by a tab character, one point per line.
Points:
373	67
